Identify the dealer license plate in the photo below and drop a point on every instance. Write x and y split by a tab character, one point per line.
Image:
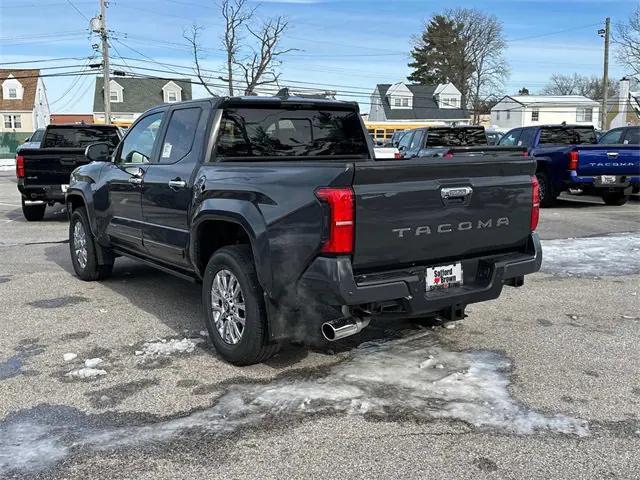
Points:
64	188
607	179
444	276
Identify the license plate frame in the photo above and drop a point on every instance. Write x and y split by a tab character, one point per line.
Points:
608	179
444	277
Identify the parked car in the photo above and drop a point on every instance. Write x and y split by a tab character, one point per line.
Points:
437	141
621	136
43	171
569	157
493	136
280	210
33	141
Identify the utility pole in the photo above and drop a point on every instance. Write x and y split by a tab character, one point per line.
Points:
605	76
105	61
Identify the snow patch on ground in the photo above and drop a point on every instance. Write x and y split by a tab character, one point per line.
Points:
414	377
86	373
610	255
92	362
170	347
68	357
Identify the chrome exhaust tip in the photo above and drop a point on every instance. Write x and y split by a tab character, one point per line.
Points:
343	327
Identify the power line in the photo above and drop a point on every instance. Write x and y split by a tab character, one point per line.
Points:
78	10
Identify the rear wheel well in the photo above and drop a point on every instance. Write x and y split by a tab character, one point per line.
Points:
215	234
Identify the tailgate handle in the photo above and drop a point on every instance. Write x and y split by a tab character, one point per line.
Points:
67	161
456	195
612	154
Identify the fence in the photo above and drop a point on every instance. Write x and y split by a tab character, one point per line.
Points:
9	142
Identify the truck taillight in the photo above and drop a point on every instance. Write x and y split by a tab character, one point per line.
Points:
340	202
535	203
19	166
448	155
573	160
397	156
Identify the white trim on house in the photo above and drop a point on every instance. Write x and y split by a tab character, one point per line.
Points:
514	111
116	88
12	89
172	92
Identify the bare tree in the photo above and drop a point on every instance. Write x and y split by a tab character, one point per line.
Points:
258	68
484	45
627	41
236	15
576	84
192	37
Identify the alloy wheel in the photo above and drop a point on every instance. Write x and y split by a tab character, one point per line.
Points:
227	306
80	244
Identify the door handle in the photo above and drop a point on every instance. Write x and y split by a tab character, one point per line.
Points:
175	184
135	180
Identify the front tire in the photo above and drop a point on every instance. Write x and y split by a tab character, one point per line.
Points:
83	249
548	194
615	198
33	213
234	306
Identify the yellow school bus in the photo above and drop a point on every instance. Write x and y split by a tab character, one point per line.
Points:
383	131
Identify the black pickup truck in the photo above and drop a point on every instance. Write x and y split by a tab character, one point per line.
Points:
43	170
277	206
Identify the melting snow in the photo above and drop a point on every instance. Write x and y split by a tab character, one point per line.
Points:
92	362
609	255
68	357
379	378
86	373
164	347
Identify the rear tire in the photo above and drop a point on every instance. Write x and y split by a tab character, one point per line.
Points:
83	249
234	307
548	194
615	198
33	213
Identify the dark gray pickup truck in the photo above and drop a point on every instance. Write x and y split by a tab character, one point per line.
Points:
43	168
277	206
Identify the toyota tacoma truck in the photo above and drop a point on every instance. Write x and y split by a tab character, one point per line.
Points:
278	207
43	170
569	157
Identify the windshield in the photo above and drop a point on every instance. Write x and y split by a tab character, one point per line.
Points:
456	137
295	132
567	136
79	137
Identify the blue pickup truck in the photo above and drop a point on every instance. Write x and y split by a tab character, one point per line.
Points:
569	157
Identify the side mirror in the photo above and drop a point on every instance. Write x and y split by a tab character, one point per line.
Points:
97	152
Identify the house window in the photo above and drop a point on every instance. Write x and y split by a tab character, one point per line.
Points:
508	114
397	102
405	102
535	114
497	114
12	121
13	93
113	96
172	96
584	114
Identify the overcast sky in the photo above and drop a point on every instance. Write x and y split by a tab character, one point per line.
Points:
344	45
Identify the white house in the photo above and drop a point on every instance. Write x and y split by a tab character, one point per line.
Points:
130	97
526	110
23	101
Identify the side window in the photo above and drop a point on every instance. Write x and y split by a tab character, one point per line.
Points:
137	146
511	138
526	137
632	137
612	137
181	131
405	141
416	142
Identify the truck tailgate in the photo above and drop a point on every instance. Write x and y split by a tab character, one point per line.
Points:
51	166
608	160
425	212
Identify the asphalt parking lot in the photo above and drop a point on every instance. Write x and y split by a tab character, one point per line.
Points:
542	383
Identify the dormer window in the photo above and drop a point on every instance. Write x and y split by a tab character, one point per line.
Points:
13	93
12	89
113	96
405	102
172	92
116	92
172	96
397	102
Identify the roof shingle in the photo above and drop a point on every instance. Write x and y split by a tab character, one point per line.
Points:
424	105
139	94
29	80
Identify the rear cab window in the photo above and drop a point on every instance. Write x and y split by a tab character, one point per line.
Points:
456	137
280	133
79	137
567	135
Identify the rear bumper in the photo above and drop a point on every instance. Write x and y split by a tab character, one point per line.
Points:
593	181
46	193
332	281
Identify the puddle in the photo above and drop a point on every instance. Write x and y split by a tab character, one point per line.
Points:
58	302
609	255
412	378
12	366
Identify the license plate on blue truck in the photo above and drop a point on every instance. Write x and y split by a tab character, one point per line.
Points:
444	277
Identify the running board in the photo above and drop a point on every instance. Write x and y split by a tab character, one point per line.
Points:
158	266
